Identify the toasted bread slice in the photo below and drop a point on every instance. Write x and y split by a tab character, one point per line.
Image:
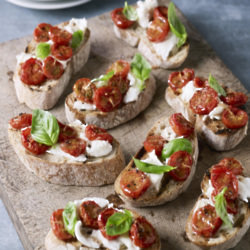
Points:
46	95
114	118
170	189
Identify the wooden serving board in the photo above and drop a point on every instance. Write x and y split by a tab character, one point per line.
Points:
30	201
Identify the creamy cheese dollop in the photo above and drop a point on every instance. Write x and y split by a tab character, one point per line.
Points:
188	91
168	133
98	148
76	24
83	106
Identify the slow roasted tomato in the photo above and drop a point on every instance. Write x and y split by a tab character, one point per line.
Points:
120	19
134	183
158	29
205	221
160	11
234	118
52	68
75	146
120	67
30	144
89	212
204	101
180	125
31	72
235	99
232	164
199	82
59	36
107	98
183	161
102	221
95	133
61	52
154	142
221	177
141	233
122	83
41	32
66	132
57	225
177	80
21	121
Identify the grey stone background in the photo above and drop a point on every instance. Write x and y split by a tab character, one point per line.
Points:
225	24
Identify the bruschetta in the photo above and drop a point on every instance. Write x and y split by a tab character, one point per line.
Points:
114	98
55	53
155	29
75	154
164	167
94	223
221	216
212	107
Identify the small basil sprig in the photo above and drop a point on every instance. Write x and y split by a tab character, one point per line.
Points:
152	168
44	127
70	218
103	79
178	144
42	50
176	26
129	12
216	86
77	38
221	207
119	223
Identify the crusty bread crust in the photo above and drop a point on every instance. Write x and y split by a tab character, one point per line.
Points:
46	95
114	118
168	192
58	170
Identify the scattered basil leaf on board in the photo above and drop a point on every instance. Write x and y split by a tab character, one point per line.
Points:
42	50
178	144
129	12
70	217
151	168
216	86
44	127
176	26
103	79
221	207
119	223
77	38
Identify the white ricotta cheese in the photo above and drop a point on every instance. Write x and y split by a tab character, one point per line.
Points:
99	201
188	91
244	188
84	106
217	111
98	148
168	133
132	94
76	24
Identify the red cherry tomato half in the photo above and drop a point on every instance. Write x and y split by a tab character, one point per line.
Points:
41	32
199	82
204	101
95	133
160	11
120	67
120	19
234	118
134	183
66	132
52	68
232	164
75	146
120	82
59	36
158	30
61	52
141	233
205	221
57	225
235	99
154	142
180	125
107	98
21	121
31	72
183	161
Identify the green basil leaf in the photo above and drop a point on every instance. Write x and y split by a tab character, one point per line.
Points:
42	50
119	223
77	38
103	79
70	217
129	12
221	207
44	128
178	144
176	26
216	86
151	168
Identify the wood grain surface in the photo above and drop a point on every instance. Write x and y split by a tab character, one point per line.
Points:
30	201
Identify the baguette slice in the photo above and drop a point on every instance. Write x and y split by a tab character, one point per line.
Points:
170	190
46	95
59	170
114	118
213	131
